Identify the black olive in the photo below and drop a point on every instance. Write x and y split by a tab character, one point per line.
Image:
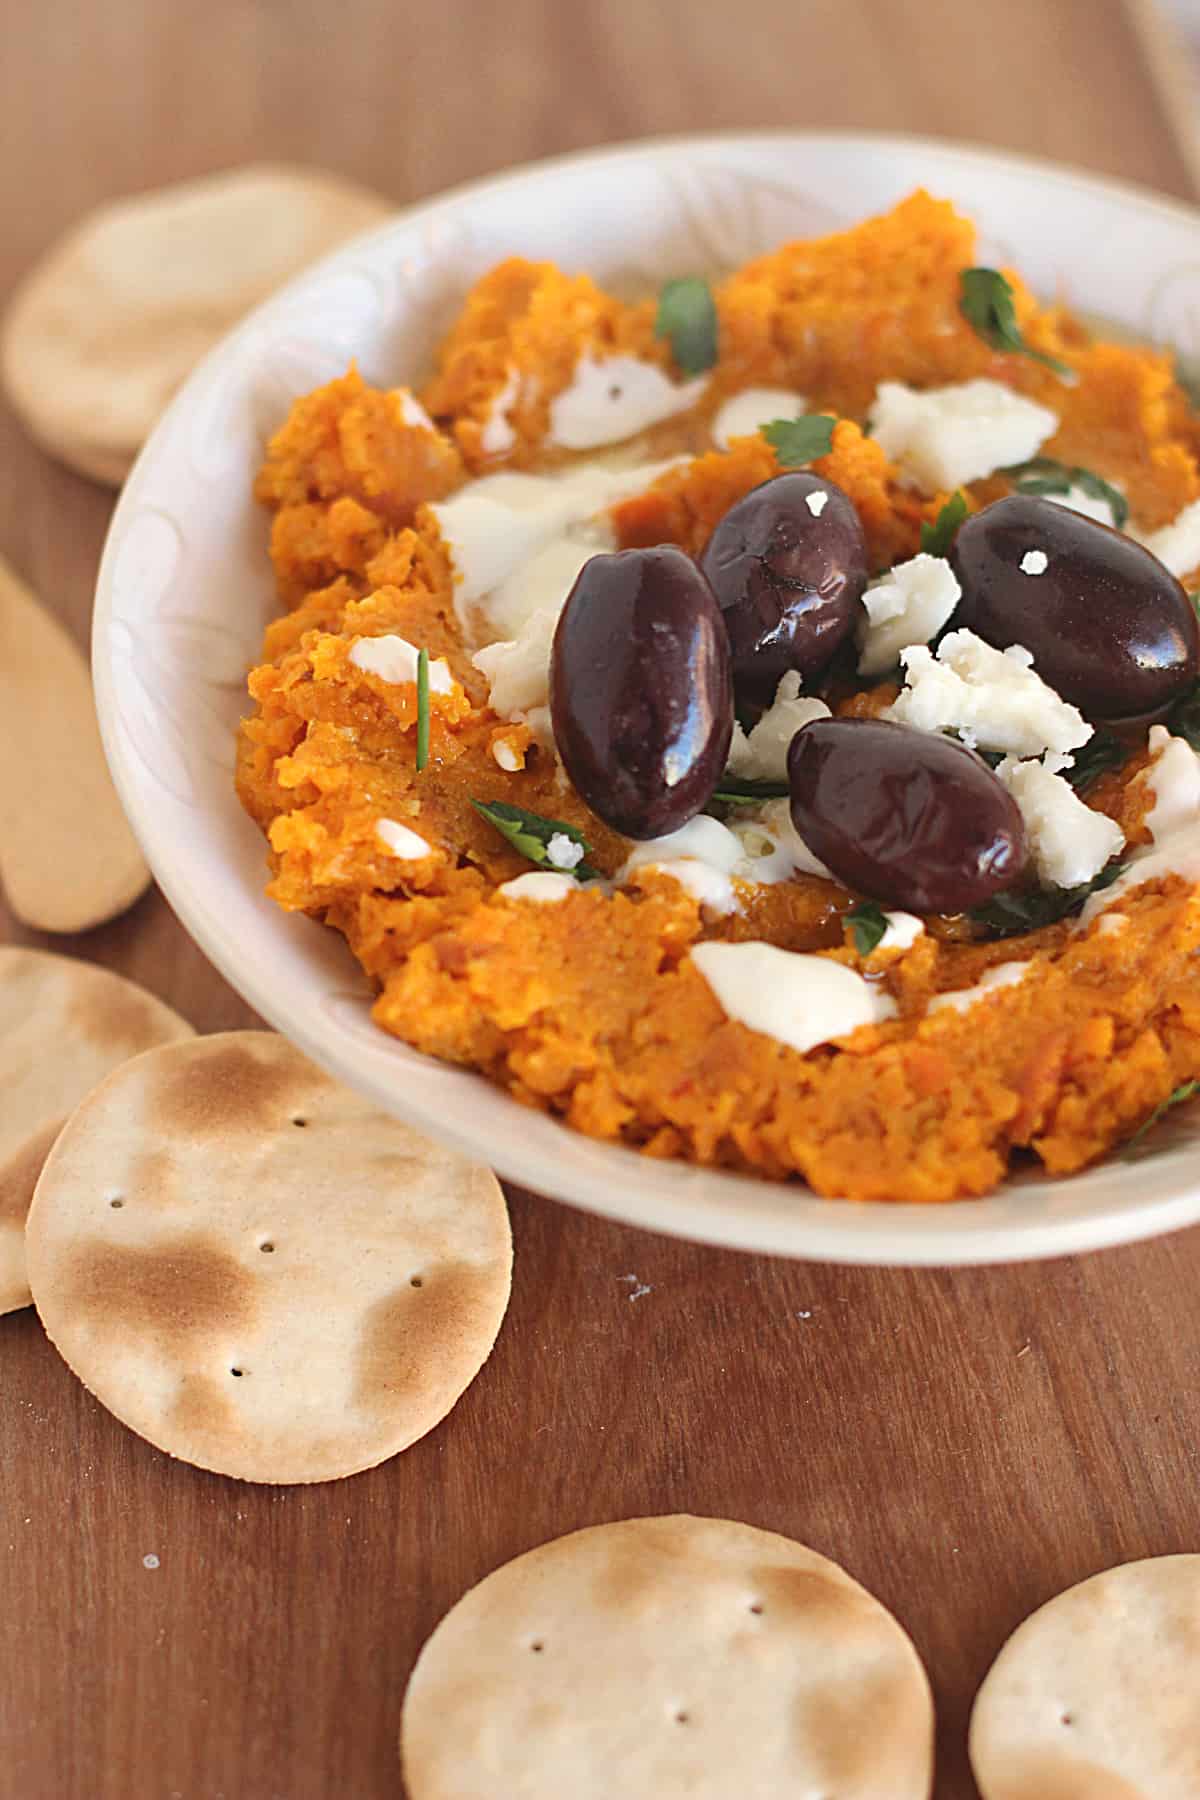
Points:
640	690
908	817
1108	627
788	565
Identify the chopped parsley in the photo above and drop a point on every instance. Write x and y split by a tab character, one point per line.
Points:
422	709
868	925
1028	909
800	440
1102	752
986	303
1187	1090
1042	475
530	834
732	792
687	316
1183	720
937	538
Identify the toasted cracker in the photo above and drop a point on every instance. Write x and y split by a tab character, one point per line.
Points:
1097	1696
64	1025
259	1271
106	327
667	1657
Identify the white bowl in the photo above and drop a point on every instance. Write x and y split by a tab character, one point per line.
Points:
184	590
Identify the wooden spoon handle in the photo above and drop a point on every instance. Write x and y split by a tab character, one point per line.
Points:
67	856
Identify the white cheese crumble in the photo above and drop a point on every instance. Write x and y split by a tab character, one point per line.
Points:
963	999
1069	841
518	669
762	755
745	414
1178	544
816	502
614	397
539	884
506	757
946	437
799	1000
993	697
408	845
903	930
498	435
412	412
1034	562
909	605
394	660
563	852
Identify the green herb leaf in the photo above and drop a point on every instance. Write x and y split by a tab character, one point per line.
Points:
1187	1090
687	315
530	834
937	538
422	709
1102	752
1183	720
986	303
868	925
732	792
1008	915
800	440
1042	475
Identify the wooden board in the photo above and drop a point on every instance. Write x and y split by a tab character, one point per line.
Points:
965	1443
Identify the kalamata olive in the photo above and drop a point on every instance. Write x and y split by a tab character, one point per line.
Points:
907	817
788	565
640	691
1108	626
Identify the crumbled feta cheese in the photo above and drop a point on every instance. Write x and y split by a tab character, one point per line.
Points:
1069	841
506	756
762	755
402	842
498	435
563	852
394	659
539	884
614	397
961	1000
412	412
946	437
518	669
746	413
1178	544
817	502
909	605
994	695
799	1000
1034	562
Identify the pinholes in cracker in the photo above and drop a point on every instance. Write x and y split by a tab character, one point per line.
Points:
665	1657
105	328
257	1270
1096	1696
64	1025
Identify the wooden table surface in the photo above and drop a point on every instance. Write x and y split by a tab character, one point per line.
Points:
966	1443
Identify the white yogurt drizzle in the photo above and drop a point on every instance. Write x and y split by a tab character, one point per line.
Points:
963	999
541	885
745	414
408	845
498	436
611	398
394	660
1173	822
798	1000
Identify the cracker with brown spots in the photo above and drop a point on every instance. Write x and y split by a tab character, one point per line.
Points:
666	1657
259	1271
1097	1696
64	1025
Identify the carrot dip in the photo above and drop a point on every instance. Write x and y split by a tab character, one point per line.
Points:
757	723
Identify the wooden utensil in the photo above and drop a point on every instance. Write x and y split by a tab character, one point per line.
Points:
68	859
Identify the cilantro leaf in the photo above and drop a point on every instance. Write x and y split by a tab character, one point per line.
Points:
937	538
868	925
1186	1090
1042	475
1183	720
687	315
1102	752
986	303
800	440
530	834
422	709
732	792
1008	915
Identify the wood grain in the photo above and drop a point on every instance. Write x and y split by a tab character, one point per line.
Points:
966	1443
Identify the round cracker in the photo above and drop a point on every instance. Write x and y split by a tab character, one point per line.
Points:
664	1657
107	325
1096	1696
259	1271
64	1025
